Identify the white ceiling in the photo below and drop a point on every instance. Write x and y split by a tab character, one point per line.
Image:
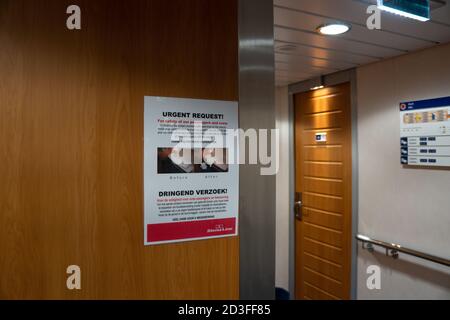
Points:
301	53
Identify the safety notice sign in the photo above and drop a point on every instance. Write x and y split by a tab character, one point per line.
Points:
191	181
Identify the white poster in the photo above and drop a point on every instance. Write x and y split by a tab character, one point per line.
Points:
191	188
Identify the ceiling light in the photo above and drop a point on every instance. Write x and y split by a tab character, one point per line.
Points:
333	29
318	83
417	9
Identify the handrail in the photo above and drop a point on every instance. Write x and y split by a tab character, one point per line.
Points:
396	248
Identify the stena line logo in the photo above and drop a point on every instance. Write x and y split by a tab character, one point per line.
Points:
219	228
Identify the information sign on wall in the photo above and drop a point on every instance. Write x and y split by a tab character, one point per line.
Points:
191	188
425	132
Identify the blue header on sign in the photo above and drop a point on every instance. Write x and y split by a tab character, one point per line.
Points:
425	104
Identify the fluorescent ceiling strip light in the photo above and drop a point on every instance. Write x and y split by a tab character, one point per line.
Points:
381	6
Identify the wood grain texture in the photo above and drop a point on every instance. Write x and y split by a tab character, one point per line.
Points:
323	176
71	144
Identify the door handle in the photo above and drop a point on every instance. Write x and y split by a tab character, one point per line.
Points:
298	210
298	206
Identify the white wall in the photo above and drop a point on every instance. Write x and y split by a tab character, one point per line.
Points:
282	190
405	206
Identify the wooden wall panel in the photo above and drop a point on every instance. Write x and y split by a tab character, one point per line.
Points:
71	144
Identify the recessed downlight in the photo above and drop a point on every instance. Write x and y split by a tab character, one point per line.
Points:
333	29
